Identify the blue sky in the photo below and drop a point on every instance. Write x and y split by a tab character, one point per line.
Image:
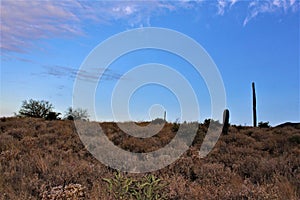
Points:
43	44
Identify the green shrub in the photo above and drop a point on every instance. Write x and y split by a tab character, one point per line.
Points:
149	187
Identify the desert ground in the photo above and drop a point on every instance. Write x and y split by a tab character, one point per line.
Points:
41	159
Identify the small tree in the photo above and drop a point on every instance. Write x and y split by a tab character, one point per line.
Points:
75	114
34	108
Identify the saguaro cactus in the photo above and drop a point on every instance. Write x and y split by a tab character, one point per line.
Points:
225	121
254	105
165	115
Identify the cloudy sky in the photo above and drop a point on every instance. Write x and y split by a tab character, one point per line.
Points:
44	43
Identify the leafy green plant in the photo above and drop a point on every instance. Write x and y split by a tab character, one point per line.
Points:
148	188
120	186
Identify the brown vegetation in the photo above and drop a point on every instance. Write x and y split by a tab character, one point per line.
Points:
42	159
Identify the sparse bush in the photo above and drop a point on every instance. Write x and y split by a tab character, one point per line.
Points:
264	125
34	108
76	114
211	123
206	122
52	116
175	127
295	139
158	121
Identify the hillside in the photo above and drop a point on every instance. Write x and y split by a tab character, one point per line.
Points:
42	159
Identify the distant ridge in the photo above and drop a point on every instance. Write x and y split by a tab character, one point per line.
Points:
294	125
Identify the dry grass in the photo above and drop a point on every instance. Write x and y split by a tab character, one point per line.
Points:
38	157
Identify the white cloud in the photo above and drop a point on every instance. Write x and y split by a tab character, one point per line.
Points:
123	10
232	2
292	2
277	3
252	4
250	16
221	6
129	10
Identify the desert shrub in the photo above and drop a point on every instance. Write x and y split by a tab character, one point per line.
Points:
215	174
76	114
36	156
158	121
149	187
175	127
211	122
17	133
71	191
52	116
295	139
206	122
3	119
264	125
35	108
199	137
258	170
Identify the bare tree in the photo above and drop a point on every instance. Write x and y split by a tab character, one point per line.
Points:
75	114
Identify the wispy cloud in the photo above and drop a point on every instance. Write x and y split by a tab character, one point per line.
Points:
221	6
257	7
25	22
232	2
270	6
92	75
